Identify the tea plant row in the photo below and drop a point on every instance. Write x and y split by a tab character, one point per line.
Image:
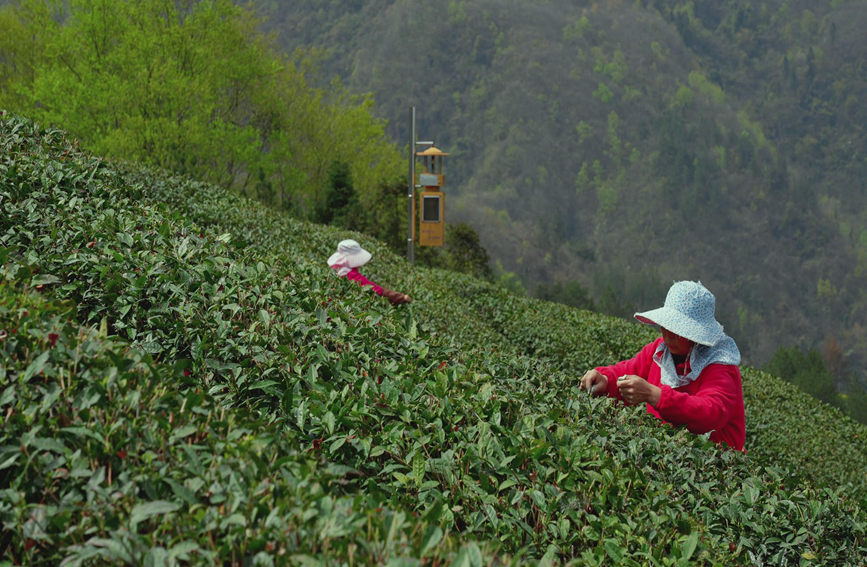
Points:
184	381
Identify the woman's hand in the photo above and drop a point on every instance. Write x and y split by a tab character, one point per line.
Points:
636	390
594	382
395	297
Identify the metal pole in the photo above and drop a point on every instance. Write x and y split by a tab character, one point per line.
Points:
410	240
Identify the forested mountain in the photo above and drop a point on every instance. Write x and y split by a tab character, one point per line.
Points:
624	145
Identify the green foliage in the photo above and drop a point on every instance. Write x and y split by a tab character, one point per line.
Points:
193	87
603	93
855	405
739	118
465	253
705	87
461	253
183	380
569	293
386	213
787	426
509	280
806	370
340	205
577	30
614	69
683	98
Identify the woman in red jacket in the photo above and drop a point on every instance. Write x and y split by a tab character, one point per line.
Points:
349	257
689	376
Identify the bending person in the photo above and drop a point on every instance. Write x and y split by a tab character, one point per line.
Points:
349	257
689	376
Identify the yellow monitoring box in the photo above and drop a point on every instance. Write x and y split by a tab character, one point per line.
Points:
431	200
431	229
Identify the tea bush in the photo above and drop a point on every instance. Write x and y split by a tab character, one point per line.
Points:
185	382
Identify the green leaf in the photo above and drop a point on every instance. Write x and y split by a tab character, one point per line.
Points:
329	421
184	431
301	414
549	557
183	247
432	536
35	367
469	556
234	520
688	546
337	444
265	385
182	550
418	468
48	444
182	491
142	512
125	238
151	347
44	279
8	394
156	556
10	461
538	498
614	550
265	317
113	549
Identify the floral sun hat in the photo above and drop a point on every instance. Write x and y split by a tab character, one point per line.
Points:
689	312
349	254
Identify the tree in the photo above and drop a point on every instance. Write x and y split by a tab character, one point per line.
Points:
612	303
806	370
340	205
569	293
855	405
190	86
386	215
464	251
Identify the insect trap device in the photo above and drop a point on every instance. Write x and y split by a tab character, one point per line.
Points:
431	231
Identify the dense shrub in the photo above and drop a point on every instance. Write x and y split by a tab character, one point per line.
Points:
183	381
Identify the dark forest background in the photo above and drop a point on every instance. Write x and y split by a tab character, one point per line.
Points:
604	149
599	150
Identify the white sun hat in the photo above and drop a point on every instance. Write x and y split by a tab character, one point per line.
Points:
349	254
689	312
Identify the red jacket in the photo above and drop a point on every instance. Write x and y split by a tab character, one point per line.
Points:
356	276
713	402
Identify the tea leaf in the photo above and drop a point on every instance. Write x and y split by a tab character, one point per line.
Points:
142	512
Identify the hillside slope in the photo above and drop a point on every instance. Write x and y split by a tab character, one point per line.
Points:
624	145
183	381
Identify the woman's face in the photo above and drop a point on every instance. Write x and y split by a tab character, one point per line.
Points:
675	343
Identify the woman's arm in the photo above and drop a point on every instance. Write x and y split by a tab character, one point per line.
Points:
356	276
639	365
710	407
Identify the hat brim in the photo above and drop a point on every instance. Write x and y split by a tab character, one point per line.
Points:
355	260
359	259
684	326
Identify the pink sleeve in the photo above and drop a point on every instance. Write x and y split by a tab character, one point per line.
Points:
710	407
356	276
639	365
